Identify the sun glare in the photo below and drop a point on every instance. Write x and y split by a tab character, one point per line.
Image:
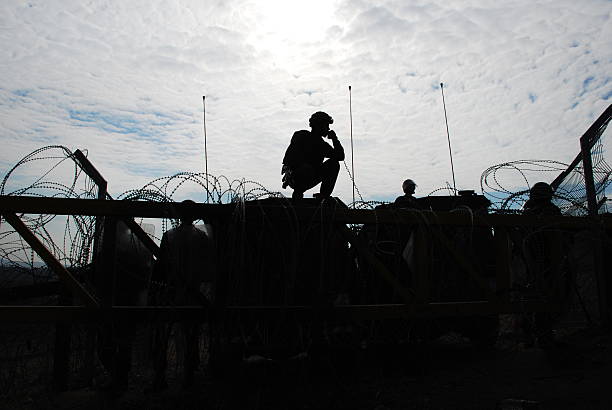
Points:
283	25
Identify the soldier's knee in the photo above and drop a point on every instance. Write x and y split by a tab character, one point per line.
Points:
332	165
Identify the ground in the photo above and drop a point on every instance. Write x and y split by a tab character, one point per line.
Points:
448	373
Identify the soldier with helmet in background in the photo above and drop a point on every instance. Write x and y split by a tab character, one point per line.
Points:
544	250
407	200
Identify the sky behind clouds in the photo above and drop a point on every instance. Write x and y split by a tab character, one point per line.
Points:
124	80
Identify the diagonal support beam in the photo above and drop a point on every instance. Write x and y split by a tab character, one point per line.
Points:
94	174
76	288
465	265
378	266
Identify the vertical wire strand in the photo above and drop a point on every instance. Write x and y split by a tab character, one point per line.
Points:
448	138
205	147
352	151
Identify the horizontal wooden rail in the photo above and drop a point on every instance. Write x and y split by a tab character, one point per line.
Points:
69	206
33	314
35	290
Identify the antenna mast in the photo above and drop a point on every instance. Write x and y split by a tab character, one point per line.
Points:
450	152
352	156
205	148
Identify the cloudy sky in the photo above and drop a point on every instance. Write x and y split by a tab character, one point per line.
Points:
124	80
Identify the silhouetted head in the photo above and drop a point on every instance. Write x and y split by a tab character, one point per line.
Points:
408	187
541	191
184	215
319	123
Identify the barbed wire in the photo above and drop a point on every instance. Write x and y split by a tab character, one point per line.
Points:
56	174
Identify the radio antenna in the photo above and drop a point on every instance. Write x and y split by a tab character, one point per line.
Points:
352	156
205	148
450	152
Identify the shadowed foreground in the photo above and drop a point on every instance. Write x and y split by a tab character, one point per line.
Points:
446	374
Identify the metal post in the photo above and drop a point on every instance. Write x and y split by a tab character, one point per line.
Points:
589	181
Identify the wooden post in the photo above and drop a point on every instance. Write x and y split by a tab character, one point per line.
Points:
503	280
421	277
61	354
105	268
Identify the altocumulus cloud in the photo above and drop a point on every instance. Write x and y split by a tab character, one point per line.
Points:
523	79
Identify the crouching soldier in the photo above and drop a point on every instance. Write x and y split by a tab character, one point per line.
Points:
303	165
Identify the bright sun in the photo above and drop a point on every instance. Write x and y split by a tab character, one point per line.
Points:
282	25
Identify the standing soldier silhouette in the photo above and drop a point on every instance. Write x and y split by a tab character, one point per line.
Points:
186	266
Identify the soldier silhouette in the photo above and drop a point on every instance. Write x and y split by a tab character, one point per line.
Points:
185	265
303	165
544	251
407	200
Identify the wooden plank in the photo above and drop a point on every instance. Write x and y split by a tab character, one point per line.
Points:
106	269
61	350
503	279
29	291
91	171
377	265
70	206
142	236
421	279
465	264
94	207
150	314
66	277
94	174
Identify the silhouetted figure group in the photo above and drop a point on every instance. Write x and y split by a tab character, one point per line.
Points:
182	275
186	263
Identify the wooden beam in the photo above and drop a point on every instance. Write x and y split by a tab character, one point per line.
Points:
465	264
150	314
74	285
30	291
91	171
142	236
503	278
70	206
422	251
94	174
94	207
377	265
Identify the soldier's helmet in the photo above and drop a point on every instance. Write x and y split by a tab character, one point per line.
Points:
541	191
320	117
407	184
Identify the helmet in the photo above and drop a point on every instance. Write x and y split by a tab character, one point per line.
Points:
407	183
541	191
320	117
